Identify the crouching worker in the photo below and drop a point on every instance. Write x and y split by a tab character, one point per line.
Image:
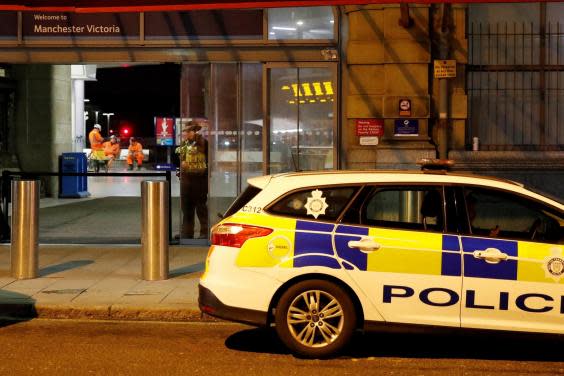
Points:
135	153
111	150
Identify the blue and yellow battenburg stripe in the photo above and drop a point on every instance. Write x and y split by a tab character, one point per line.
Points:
300	243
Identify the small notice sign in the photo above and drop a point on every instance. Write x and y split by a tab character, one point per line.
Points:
369	127
404	107
369	141
406	127
444	68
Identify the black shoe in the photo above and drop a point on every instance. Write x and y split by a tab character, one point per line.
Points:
138	168
130	168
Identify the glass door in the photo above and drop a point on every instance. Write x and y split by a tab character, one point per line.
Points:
230	98
226	99
301	118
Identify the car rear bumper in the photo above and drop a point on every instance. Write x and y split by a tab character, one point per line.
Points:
211	305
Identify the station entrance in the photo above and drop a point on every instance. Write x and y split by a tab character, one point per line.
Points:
260	119
257	118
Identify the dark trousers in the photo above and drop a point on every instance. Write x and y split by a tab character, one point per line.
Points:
193	199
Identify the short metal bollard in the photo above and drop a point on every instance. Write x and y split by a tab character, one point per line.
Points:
154	229
25	229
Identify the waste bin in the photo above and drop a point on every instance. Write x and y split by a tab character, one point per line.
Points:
73	186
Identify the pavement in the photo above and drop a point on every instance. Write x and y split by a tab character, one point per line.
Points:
103	282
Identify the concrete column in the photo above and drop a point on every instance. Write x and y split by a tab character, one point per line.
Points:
43	118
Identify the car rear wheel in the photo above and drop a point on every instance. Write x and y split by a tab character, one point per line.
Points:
315	318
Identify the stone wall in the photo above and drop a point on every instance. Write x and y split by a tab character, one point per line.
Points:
385	62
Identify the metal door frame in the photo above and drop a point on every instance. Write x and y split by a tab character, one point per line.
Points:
333	67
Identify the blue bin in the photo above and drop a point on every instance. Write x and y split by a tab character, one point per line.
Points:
73	186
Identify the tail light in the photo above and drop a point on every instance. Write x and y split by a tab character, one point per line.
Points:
235	235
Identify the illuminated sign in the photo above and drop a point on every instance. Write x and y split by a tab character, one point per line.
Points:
164	131
310	92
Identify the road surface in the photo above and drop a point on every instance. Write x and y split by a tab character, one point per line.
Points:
59	347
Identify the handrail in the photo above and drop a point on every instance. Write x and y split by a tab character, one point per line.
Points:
8	175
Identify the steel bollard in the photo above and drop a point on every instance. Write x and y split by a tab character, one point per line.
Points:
154	229
25	228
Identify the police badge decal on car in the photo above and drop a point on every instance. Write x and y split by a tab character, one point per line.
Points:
316	204
554	265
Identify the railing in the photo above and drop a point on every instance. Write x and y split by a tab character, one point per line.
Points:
8	176
515	85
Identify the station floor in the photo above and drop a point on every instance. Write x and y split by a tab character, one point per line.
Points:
110	215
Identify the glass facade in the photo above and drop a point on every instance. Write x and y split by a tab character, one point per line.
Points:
227	99
247	112
301	117
301	23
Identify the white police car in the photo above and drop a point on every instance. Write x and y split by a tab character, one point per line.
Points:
319	255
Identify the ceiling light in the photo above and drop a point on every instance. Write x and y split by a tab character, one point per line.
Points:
283	28
321	31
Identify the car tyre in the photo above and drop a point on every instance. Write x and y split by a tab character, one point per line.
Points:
315	318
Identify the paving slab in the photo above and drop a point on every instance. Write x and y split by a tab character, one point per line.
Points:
104	283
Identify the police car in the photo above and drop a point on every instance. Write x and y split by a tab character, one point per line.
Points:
319	255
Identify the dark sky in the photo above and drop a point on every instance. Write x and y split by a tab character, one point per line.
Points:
135	94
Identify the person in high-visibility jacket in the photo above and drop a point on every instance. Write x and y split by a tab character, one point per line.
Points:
193	154
97	149
111	149
135	153
96	141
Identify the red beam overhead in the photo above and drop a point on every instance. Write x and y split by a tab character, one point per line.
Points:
99	6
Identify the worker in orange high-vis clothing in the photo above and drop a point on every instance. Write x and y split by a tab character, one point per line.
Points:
96	138
97	153
135	153
111	149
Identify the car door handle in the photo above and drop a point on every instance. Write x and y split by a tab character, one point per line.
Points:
365	244
491	255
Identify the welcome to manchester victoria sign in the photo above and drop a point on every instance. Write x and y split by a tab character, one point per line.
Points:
40	28
41	25
66	27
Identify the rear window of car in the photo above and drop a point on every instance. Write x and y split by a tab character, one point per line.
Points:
314	203
247	195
